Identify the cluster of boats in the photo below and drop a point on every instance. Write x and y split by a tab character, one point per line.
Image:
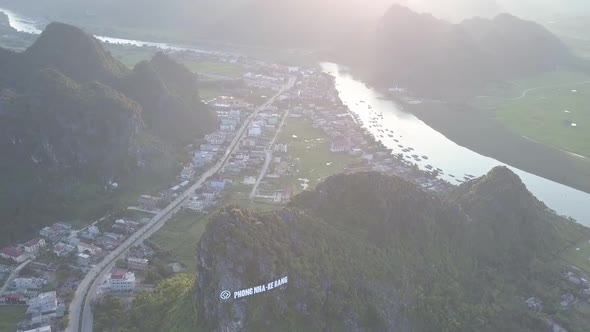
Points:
375	123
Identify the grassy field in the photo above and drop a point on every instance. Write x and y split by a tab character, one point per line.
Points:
130	57
180	237
311	150
216	68
547	113
10	316
580	258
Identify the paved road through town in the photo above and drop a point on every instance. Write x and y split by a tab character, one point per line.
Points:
80	310
268	157
13	275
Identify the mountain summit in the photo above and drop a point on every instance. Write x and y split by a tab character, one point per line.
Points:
368	252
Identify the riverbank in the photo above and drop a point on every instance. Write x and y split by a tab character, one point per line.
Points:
478	130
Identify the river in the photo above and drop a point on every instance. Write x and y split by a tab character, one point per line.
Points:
383	117
22	24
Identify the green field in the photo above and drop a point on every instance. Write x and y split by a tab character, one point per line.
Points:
548	110
180	237
10	316
131	56
310	149
216	68
579	258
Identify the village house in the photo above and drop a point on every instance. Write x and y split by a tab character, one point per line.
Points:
217	184
29	283
254	131
534	303
149	202
188	172
340	144
62	249
210	147
14	299
196	204
216	138
88	248
281	148
121	281
140	264
44	304
13	254
33	246
83	259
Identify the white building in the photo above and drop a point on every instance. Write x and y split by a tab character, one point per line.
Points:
85	247
188	172
93	230
121	281
255	131
83	259
195	204
33	246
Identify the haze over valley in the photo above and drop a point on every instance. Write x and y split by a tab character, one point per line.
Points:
251	165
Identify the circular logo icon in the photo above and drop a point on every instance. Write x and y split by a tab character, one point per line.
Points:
225	295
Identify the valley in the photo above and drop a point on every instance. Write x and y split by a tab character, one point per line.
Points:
301	177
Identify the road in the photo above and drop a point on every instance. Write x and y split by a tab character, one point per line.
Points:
268	157
80	309
14	274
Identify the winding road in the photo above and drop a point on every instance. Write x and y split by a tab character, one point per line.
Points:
80	312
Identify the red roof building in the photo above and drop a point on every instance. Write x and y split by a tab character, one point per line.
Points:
13	254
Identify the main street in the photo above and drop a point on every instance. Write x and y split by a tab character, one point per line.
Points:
80	309
268	157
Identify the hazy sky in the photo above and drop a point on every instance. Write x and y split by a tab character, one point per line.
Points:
459	9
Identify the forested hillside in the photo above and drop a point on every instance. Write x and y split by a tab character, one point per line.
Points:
368	252
73	120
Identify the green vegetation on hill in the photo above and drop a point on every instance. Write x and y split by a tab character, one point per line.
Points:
76	120
169	308
368	252
439	59
178	240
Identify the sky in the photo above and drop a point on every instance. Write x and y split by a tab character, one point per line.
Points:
457	10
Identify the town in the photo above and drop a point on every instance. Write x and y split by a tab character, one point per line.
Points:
281	131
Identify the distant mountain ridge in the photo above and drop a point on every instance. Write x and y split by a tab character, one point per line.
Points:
436	58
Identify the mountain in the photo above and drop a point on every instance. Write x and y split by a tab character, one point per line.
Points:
169	94
66	126
368	252
74	53
74	119
436	58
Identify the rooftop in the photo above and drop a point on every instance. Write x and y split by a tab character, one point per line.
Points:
11	251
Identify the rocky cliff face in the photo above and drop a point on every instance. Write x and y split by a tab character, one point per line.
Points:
67	127
366	252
